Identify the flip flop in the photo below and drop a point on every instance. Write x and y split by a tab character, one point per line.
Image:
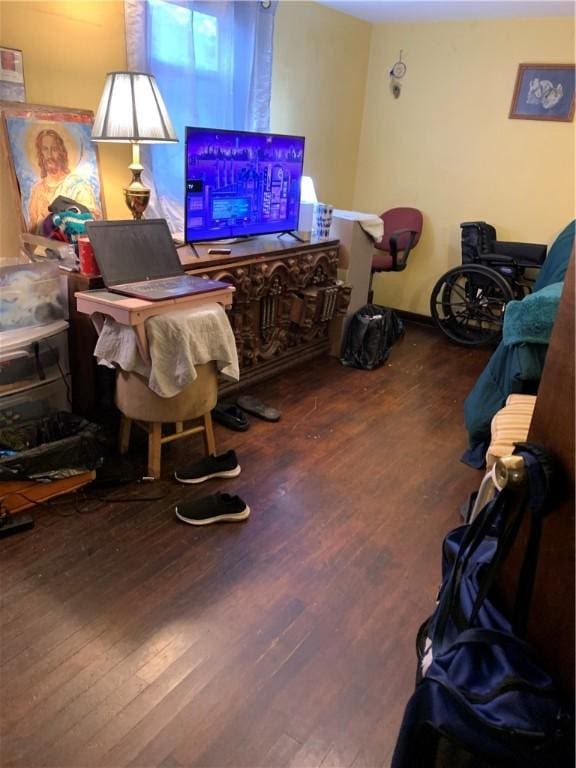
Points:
230	417
258	408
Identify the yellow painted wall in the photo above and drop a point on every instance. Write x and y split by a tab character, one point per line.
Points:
320	66
319	75
447	146
67	49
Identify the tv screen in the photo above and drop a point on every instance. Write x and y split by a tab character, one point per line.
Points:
240	183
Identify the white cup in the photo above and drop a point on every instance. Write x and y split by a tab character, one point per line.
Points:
322	221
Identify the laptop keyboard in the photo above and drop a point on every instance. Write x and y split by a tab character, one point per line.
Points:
152	286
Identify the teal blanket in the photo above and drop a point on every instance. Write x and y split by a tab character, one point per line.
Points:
531	320
556	264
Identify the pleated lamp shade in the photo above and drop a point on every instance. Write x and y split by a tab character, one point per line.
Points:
132	110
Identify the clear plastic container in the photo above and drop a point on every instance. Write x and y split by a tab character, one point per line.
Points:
30	356
30	294
34	403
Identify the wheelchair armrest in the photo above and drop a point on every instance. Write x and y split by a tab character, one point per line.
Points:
527	254
497	258
393	239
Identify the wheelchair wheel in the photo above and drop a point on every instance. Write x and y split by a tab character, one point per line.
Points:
468	302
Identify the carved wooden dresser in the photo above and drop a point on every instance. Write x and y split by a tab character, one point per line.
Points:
288	301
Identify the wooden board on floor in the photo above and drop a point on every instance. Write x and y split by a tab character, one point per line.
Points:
22	494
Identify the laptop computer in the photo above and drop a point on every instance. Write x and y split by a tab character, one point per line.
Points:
139	258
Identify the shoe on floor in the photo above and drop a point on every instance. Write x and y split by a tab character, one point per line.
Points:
218	508
225	465
256	407
230	416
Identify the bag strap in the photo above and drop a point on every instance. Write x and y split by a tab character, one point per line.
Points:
475	534
493	637
504	515
539	468
505	531
505	540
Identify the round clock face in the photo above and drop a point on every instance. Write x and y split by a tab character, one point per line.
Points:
399	69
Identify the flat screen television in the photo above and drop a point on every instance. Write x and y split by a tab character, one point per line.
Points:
240	183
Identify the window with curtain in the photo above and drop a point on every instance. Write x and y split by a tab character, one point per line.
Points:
212	60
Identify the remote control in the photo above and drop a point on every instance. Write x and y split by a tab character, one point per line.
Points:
220	251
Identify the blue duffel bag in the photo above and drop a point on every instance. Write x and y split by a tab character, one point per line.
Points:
482	698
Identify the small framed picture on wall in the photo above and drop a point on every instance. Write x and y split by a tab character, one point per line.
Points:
544	92
11	75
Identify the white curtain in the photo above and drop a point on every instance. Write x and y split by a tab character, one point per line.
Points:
212	60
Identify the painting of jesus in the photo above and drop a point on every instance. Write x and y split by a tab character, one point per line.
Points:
51	156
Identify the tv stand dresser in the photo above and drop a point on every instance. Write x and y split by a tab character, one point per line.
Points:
288	307
288	303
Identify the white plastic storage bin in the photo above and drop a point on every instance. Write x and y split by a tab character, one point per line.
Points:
34	403
30	295
33	356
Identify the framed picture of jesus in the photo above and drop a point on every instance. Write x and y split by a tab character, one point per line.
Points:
50	155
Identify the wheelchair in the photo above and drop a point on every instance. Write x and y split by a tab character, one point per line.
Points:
468	302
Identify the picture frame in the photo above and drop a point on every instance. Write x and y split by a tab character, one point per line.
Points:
49	153
544	92
11	75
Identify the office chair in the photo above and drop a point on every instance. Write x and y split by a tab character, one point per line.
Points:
402	230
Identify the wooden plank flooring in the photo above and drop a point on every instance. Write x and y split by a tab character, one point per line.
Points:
130	639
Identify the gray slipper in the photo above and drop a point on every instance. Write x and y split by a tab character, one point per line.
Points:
258	408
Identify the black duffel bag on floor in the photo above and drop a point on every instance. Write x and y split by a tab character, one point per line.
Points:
371	333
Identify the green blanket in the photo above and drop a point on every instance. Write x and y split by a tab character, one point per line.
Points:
531	320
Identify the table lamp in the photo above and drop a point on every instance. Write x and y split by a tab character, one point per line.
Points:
132	111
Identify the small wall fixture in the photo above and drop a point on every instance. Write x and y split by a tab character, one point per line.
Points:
396	74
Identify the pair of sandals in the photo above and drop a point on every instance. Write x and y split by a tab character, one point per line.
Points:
234	416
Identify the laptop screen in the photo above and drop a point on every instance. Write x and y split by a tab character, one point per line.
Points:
131	251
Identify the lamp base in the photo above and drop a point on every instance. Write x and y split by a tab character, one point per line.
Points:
137	200
137	195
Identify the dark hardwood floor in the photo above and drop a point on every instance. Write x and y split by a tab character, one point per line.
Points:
129	638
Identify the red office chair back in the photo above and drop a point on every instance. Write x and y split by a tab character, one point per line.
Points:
402	230
400	218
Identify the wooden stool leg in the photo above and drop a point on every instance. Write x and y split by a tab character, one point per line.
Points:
124	434
179	427
154	449
209	441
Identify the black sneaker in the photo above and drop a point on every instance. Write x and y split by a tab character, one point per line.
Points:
225	465
219	508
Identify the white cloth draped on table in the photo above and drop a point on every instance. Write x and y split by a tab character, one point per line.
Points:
372	225
177	342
